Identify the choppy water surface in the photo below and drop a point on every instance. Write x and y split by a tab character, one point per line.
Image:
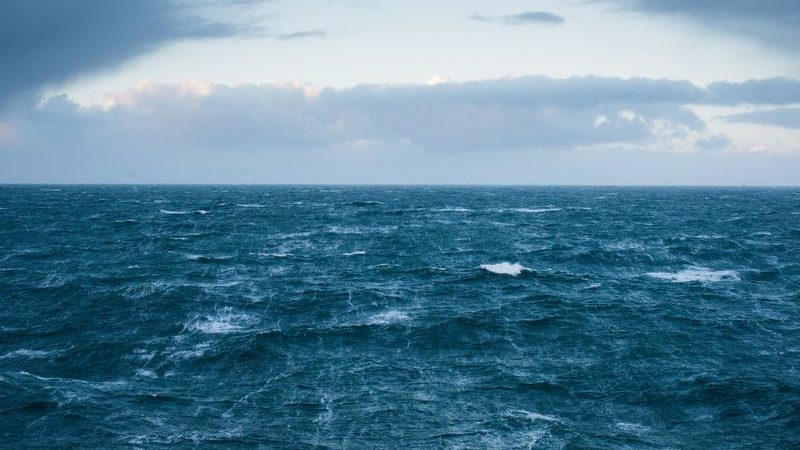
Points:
397	317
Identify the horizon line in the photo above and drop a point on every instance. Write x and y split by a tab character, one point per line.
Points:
409	185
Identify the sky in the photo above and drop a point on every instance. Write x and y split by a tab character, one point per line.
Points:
609	92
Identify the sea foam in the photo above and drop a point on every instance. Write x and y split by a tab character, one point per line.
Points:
388	317
535	210
224	322
30	354
701	274
505	268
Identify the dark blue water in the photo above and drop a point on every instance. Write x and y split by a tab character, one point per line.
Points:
399	317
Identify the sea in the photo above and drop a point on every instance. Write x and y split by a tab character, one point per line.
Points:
399	317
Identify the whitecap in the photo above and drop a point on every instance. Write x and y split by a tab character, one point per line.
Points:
701	274
535	210
453	209
30	354
532	416
361	230
633	428
623	245
505	268
144	373
388	317
53	280
196	352
167	211
224	322
276	255
195	257
290	235
143	290
202	211
250	205
357	252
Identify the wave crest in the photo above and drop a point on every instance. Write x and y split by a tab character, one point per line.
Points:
699	274
505	268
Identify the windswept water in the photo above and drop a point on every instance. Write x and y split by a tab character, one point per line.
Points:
399	317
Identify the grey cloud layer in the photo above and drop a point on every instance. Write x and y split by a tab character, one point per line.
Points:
772	22
780	117
775	91
49	41
216	133
526	113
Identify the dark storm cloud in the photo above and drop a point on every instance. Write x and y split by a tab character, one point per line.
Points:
524	18
772	22
50	41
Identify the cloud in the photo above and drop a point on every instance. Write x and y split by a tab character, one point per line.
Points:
302	35
524	18
771	22
529	113
203	132
776	91
51	41
714	142
779	117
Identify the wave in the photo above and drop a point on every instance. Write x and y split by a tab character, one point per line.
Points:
144	373
167	211
53	280
534	210
30	354
361	229
357	252
250	205
145	289
387	318
699	274
197	351
362	203
276	255
454	209
633	428
533	416
224	322
505	268
207	258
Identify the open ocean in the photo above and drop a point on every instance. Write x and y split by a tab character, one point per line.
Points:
327	317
